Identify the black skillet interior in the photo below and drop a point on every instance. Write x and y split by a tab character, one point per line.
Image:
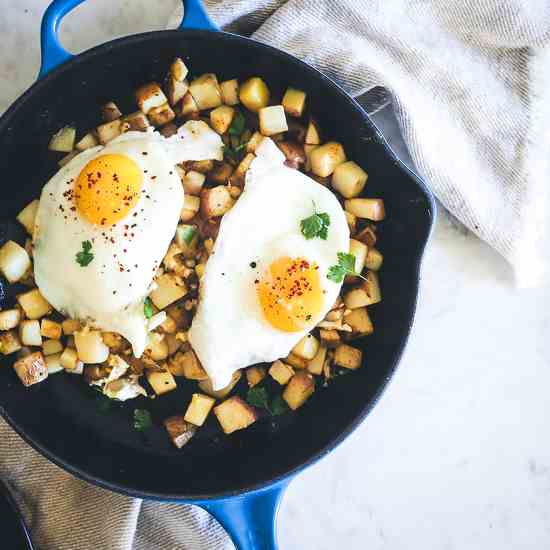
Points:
67	420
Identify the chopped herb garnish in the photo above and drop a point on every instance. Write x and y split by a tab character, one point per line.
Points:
237	124
148	308
258	397
345	266
142	420
316	225
278	406
188	234
85	256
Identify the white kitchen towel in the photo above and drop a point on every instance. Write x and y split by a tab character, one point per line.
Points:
470	82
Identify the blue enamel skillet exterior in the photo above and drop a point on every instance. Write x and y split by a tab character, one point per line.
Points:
239	479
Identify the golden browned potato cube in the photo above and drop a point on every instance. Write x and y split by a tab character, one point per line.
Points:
179	70
296	361
33	303
199	409
312	134
294	153
294	102
51	329
109	131
272	120
161	381
216	201
27	216
370	209
299	389
9	318
206	91
14	261
69	360
63	141
176	89
230	91
150	96
110	111
188	105
239	174
352	222
192	369
254	375
50	347
70	326
179	430
178	312
253	142
206	386
90	346
254	94
169	289
221	173
367	235
281	372
221	118
349	179
137	121
325	158
161	115
192	181
358	319
329	337
234	414
315	366
87	142
307	347
374	259
9	342
53	363
365	294
157	348
348	357
31	369
191	206
29	333
359	251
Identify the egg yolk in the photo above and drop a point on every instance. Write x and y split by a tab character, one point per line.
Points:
108	188
290	294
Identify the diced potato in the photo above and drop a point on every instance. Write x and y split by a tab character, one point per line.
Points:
239	174
206	91
294	153
174	344
374	259
90	346
51	347
192	182
63	141
9	342
179	430
359	250
221	173
188	105
329	337
326	158
150	96
31	369
315	366
199	409
358	319
349	179
86	142
137	121
272	120
110	111
221	118
161	381
172	261
199	269
158	116
348	357
216	201
14	261
294	102
367	235
70	326
109	131
156	348
254	94
192	369
281	372
299	389
365	294
50	329
27	216
254	375
370	209
202	166
307	347
253	142
191	206
234	414
179	70
296	361
352	222
230	91
180	315
312	134
29	333
34	305
169	289
9	318
53	363
176	89
206	386
70	361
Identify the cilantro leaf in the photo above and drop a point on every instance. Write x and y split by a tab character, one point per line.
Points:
278	405
148	308
347	261
257	396
315	226
237	124
187	233
84	257
142	420
345	266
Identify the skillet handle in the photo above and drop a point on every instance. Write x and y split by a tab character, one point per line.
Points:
250	520
54	54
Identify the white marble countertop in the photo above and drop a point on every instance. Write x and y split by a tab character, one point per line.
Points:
455	455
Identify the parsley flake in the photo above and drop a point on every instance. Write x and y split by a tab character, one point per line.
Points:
148	308
345	266
85	256
237	124
258	397
316	225
142	420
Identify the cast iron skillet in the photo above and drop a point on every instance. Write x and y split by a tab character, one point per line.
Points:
240	478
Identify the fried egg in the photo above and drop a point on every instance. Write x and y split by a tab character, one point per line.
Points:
119	204
265	286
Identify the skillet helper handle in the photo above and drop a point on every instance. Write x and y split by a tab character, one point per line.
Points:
54	54
250	520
